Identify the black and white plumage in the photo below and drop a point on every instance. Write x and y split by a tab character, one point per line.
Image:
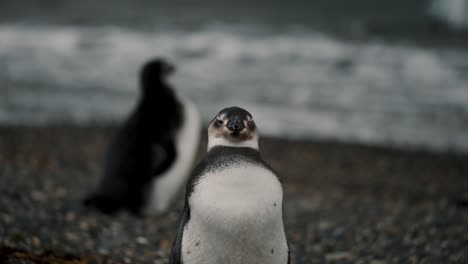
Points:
233	204
150	157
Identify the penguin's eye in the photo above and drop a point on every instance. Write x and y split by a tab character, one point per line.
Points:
219	121
251	124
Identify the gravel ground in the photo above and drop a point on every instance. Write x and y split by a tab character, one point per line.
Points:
344	203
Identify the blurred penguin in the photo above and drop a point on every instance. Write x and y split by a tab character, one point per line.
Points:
151	156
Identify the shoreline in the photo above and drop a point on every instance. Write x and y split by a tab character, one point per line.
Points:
315	140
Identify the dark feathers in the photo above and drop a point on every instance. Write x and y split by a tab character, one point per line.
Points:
143	147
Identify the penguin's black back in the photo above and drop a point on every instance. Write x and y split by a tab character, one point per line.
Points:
133	159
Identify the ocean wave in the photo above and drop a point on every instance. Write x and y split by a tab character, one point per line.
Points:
300	85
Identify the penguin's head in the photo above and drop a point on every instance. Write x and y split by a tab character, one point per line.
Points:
234	127
155	72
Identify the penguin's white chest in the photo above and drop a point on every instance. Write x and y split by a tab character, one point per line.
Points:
236	217
165	187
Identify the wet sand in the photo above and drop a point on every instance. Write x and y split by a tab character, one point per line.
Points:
344	203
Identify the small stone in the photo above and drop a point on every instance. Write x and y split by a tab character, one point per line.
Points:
84	225
103	251
35	241
116	226
296	236
166	244
71	236
89	243
337	256
317	248
60	192
92	221
161	253
444	244
324	225
38	196
8	219
142	240
70	216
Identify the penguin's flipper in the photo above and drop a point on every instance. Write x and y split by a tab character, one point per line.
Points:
176	252
169	154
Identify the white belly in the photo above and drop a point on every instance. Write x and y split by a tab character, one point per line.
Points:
166	186
236	217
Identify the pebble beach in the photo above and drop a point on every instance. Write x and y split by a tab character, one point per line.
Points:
344	203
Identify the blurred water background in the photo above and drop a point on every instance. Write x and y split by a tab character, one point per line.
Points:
386	72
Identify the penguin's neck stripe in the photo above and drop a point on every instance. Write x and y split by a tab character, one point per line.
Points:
214	142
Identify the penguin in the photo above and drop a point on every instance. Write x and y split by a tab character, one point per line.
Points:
233	201
151	155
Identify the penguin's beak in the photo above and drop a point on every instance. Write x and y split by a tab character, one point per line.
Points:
235	124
